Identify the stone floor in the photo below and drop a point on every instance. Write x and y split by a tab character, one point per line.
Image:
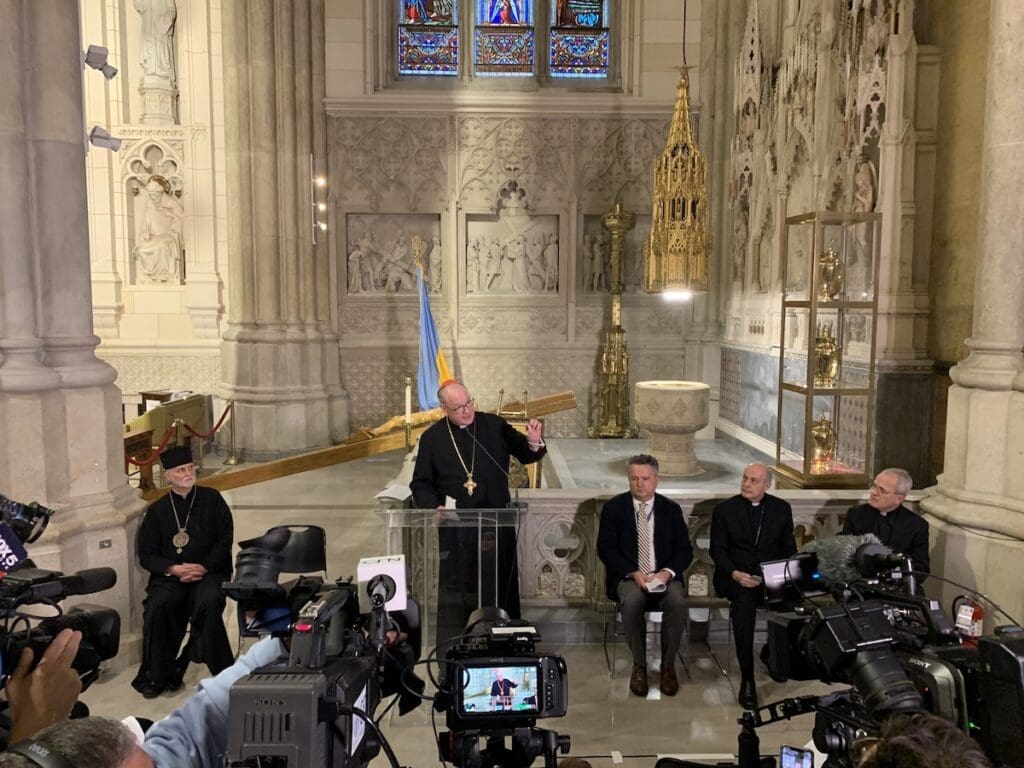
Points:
606	724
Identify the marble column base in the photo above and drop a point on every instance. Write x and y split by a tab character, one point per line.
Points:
283	405
978	559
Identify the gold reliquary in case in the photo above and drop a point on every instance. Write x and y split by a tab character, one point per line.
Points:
827	350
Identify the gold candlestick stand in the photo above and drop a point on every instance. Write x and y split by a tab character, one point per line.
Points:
613	381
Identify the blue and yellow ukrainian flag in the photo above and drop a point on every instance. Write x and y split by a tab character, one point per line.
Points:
433	368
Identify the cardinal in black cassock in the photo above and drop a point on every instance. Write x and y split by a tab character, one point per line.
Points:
465	456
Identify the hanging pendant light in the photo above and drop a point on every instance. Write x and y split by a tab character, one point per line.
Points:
677	247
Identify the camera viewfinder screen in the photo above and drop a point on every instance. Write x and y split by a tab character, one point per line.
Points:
510	689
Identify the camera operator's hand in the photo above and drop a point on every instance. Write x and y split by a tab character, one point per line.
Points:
45	695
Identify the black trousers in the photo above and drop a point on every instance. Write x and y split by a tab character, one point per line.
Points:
743	604
170	606
474	569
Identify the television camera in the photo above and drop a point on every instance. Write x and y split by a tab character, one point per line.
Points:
315	708
23	584
896	647
496	685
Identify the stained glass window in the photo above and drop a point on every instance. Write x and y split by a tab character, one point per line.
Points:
504	39
579	39
428	37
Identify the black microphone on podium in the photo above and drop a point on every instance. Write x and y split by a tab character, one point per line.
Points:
514	503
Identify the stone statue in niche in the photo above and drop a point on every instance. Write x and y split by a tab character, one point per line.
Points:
158	242
158	17
551	263
599	281
355	271
863	202
740	234
434	263
473	266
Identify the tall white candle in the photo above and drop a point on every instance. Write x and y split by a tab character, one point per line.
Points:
408	401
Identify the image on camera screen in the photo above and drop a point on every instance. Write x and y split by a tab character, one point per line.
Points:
794	757
500	689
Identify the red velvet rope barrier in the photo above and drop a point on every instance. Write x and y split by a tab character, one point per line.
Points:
155	453
213	431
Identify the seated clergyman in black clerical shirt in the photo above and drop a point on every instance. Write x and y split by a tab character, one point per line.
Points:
185	543
885	516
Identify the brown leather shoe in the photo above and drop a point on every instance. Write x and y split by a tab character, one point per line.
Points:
638	680
669	682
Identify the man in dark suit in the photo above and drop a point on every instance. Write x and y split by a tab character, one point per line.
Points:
747	530
885	516
645	546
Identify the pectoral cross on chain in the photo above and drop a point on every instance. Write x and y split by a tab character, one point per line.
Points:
469	485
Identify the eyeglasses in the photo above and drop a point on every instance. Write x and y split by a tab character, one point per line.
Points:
881	490
466	407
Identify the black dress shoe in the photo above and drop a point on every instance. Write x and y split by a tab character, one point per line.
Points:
151	690
748	694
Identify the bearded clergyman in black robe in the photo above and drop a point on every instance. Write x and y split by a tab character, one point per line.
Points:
184	543
465	457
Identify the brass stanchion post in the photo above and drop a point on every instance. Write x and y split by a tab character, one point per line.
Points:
232	458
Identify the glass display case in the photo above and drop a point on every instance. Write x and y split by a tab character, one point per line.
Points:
827	349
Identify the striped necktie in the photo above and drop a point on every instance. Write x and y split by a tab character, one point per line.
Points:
643	537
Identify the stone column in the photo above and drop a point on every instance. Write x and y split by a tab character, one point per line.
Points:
977	508
280	353
59	409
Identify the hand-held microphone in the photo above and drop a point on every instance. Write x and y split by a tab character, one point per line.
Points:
28	585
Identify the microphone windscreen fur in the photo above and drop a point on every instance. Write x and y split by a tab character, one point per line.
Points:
837	556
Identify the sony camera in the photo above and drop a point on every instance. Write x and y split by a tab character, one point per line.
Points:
314	708
900	653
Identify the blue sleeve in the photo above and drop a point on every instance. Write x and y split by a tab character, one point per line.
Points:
196	734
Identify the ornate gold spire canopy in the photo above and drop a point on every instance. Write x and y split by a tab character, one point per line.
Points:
676	250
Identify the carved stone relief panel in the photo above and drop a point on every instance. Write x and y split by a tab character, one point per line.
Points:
390	163
153	181
513	252
594	256
535	152
381	252
614	160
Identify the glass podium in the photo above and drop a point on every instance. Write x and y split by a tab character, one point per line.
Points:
458	560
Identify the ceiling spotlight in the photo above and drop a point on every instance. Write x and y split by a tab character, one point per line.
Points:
96	57
100	138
